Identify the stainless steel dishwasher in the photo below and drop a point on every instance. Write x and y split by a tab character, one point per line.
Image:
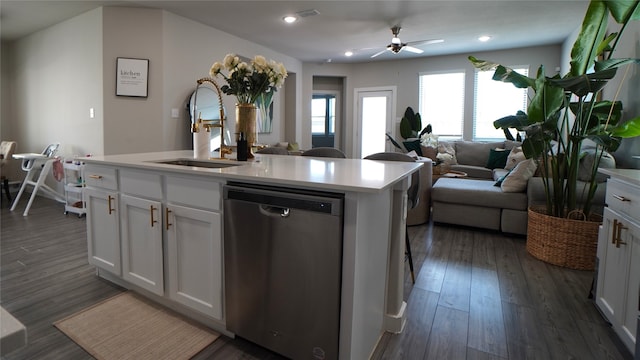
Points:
283	266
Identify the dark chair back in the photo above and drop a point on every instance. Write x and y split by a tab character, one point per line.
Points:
413	193
325	152
275	150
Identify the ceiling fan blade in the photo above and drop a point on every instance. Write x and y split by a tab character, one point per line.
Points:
378	53
412	49
425	42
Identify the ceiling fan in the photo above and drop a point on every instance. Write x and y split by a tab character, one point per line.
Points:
396	45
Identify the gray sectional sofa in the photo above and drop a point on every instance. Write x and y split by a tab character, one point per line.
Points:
476	201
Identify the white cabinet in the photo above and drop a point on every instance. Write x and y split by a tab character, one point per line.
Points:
159	232
141	225
194	243
194	253
141	229
618	286
103	224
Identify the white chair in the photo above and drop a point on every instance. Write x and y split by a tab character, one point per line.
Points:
37	164
7	149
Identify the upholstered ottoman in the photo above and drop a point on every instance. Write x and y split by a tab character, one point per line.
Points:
478	203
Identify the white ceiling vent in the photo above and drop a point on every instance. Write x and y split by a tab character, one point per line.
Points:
307	13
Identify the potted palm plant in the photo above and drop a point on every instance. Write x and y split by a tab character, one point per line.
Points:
564	112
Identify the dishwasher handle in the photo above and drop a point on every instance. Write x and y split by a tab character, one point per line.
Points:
278	199
274	211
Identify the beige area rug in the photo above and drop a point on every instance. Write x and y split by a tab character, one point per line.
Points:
128	326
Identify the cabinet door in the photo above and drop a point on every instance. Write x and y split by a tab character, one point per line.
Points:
612	265
103	232
629	321
194	241
141	222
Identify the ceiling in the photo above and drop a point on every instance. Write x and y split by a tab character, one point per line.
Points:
360	26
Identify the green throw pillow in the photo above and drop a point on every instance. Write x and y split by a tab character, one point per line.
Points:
497	158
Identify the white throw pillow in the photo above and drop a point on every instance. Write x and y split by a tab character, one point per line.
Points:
518	178
446	153
515	157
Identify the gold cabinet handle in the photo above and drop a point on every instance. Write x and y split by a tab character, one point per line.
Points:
618	230
620	197
166	218
109	199
96	177
151	209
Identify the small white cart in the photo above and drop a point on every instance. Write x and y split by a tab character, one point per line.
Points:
73	188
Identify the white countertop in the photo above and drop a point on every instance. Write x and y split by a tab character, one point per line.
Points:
629	175
323	173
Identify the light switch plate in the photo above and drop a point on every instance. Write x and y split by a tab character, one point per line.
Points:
174	113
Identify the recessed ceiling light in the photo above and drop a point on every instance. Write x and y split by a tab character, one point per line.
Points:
289	19
348	53
484	38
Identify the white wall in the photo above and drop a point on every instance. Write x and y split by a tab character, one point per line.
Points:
190	48
404	75
54	77
132	124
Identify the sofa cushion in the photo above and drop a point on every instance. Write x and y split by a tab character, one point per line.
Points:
500	174
477	193
536	195
510	144
474	172
587	157
467	215
517	179
474	152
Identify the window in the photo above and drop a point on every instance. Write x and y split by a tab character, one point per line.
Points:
323	120
323	117
494	100
442	103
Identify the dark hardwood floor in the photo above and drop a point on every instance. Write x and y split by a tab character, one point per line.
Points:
478	295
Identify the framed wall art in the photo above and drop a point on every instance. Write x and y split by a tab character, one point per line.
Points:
132	77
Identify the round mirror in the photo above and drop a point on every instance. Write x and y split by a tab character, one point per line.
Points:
204	103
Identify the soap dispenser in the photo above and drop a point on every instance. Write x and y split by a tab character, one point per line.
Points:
242	147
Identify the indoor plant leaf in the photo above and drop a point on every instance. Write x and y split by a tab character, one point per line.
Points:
630	128
519	121
613	63
585	48
584	84
624	10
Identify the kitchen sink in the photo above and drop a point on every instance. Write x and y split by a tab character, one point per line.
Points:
197	163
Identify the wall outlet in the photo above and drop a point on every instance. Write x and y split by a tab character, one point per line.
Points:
92	113
174	113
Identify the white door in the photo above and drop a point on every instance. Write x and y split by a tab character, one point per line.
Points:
103	232
194	250
142	243
374	119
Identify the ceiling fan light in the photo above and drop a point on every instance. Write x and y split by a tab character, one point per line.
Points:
290	19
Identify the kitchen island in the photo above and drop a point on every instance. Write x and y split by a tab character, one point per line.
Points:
156	196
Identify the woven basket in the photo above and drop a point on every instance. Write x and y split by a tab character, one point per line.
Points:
563	242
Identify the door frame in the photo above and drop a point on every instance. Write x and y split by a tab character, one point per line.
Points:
357	115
